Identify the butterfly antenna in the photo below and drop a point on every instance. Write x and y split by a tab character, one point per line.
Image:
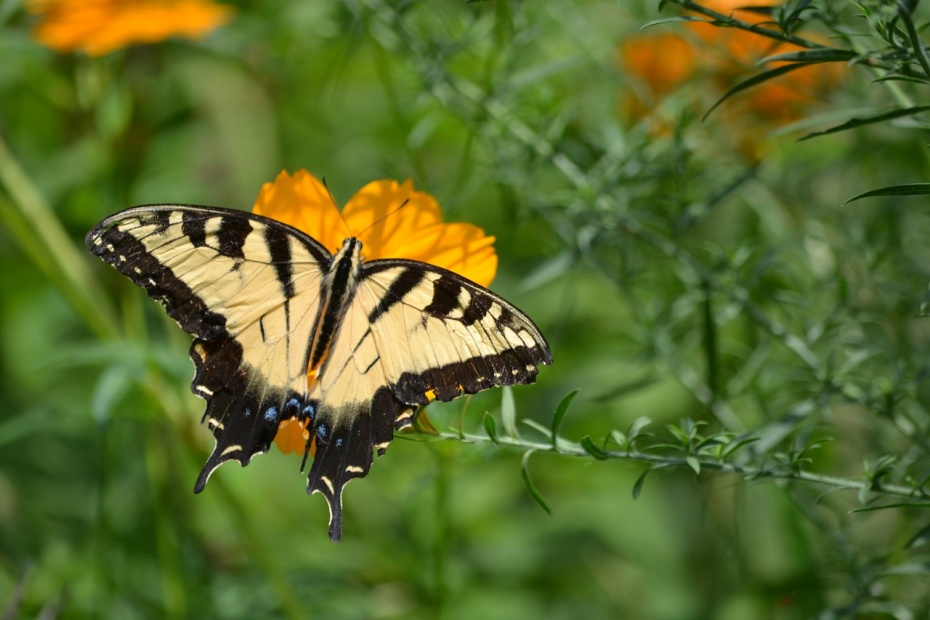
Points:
386	216
332	199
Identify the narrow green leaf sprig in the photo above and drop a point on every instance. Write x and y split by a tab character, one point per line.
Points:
685	445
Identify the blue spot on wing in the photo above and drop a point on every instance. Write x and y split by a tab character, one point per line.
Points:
271	414
321	431
339	442
309	411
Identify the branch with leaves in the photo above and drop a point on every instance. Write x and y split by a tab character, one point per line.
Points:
683	445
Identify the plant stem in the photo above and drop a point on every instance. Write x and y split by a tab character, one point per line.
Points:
729	21
42	236
780	472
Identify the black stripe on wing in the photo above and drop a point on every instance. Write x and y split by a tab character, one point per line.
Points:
128	254
120	241
487	317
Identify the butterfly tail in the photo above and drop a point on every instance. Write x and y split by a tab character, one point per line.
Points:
346	439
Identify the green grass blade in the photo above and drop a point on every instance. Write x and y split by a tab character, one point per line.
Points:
868	120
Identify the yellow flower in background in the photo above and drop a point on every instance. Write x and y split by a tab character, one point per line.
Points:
98	27
392	220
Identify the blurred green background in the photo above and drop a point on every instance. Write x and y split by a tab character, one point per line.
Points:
680	270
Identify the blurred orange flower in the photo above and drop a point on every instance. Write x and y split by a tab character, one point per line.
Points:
392	220
99	27
723	56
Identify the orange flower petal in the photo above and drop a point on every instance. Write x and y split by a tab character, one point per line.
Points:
387	215
303	202
292	437
101	26
723	57
458	247
663	61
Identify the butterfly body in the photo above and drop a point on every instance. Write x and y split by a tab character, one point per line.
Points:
286	330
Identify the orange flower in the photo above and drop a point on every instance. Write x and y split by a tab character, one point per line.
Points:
665	62
392	220
99	27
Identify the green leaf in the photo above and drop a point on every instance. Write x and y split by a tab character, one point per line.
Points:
638	485
536	426
904	12
868	120
889	506
671	20
811	56
738	443
925	304
899	78
593	450
529	483
113	385
909	568
753	81
627	440
863	495
490	427
509	412
636	428
422	423
560	412
920	538
906	189
693	463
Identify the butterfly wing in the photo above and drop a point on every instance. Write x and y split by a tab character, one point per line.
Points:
411	330
460	337
249	289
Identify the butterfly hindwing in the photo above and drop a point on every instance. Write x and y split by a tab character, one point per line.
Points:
410	331
248	289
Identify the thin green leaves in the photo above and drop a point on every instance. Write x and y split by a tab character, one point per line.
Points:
755	80
588	446
509	412
490	427
560	412
534	492
812	56
920	52
905	189
638	485
853	123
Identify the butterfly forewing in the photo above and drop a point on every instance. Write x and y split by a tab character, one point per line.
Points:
460	337
249	289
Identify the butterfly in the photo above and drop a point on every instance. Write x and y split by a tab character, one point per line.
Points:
283	329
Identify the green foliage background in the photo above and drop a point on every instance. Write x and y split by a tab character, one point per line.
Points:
771	336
